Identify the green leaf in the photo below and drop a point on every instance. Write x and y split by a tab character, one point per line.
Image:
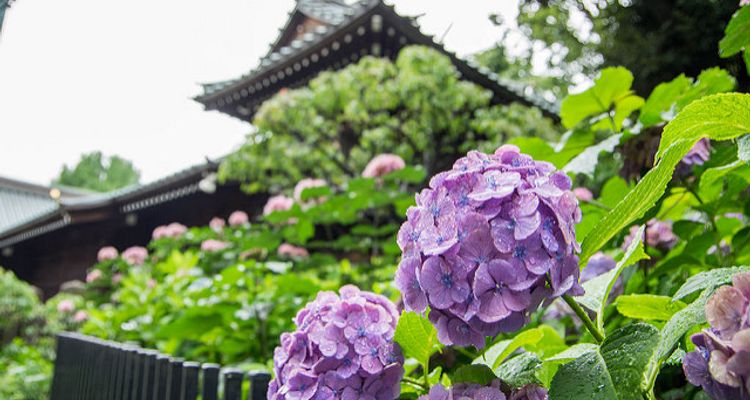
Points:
628	352
708	279
501	350
648	306
709	81
711	181
572	352
520	370
599	288
720	116
611	89
662	98
616	371
474	373
737	33
585	378
613	191
416	336
676	328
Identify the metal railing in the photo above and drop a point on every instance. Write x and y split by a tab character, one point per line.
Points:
91	368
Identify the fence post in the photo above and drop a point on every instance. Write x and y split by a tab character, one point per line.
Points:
233	384
190	372
89	368
210	381
149	376
258	385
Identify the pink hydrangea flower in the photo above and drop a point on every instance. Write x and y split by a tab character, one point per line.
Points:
744	2
151	283
93	275
66	306
80	316
278	203
106	253
383	164
135	255
307	183
159	232
217	224
238	218
583	194
211	245
290	250
172	230
176	229
117	278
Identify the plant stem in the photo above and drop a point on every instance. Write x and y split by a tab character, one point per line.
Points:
581	313
426	372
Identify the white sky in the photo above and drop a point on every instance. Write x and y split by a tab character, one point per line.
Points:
118	76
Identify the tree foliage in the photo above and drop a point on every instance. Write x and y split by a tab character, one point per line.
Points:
416	107
100	173
656	40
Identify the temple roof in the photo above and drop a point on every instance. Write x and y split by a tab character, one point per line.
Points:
330	34
21	202
27	210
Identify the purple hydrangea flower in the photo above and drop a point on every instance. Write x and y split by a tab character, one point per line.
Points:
658	235
698	154
466	391
530	392
487	242
342	349
720	363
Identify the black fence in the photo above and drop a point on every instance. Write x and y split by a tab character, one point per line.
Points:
90	368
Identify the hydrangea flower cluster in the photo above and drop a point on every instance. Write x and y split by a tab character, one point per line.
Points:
216	224
383	164
658	235
343	348
172	230
93	276
66	306
135	255
238	218
106	253
290	250
211	245
80	316
698	154
278	203
720	363
487	242
466	391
